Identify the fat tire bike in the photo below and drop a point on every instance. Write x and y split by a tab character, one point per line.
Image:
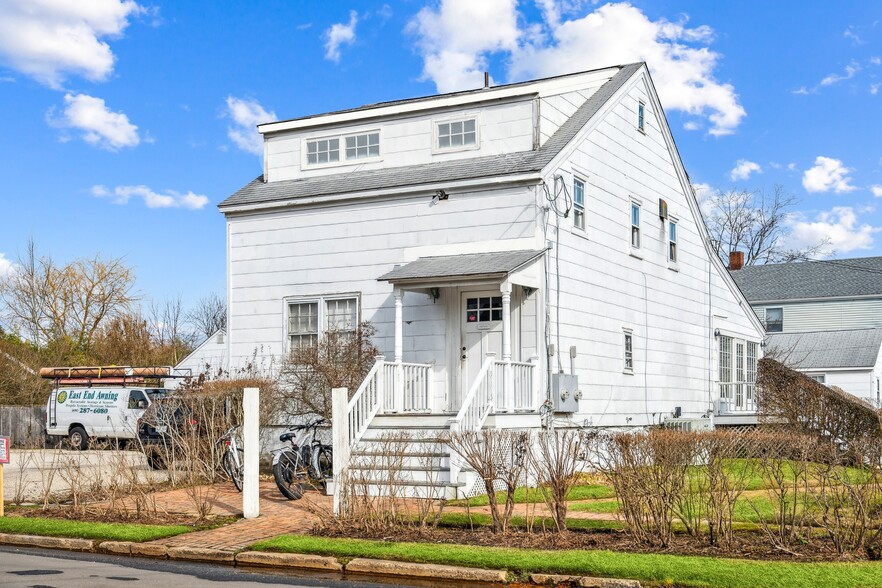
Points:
304	461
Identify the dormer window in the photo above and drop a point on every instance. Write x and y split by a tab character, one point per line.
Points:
363	146
323	151
456	134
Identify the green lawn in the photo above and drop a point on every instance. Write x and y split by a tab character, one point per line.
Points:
581	492
658	568
602	506
87	530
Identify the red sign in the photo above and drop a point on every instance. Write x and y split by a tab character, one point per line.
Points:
4	449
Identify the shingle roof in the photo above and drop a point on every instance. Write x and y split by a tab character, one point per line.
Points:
826	349
259	192
861	276
464	265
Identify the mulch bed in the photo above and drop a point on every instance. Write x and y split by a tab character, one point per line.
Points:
753	546
101	516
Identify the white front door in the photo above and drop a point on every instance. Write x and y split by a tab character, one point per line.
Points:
481	334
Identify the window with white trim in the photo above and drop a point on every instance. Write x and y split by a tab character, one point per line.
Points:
309	319
456	134
737	373
579	203
629	351
641	117
363	146
819	378
635	225
774	320
672	241
323	151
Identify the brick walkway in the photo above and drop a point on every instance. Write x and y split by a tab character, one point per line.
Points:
278	515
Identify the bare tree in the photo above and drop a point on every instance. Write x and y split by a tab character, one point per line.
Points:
209	316
167	328
48	302
755	223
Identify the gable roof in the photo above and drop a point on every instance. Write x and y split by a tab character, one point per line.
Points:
508	164
858	348
836	278
463	265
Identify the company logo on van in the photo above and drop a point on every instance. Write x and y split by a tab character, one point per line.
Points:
62	396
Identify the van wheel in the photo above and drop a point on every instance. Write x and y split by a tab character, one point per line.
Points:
78	438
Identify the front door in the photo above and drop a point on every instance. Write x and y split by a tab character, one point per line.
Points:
481	334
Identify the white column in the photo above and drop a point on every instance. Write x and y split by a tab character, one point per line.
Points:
507	400
251	442
398	390
339	440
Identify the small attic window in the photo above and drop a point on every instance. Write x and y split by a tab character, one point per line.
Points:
641	117
456	134
323	151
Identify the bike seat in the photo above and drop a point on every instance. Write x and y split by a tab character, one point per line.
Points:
287	436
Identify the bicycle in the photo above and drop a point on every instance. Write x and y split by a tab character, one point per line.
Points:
233	458
302	462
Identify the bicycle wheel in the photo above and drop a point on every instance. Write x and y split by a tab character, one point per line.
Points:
323	463
289	473
236	472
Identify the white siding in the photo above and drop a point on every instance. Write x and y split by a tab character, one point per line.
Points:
603	288
830	315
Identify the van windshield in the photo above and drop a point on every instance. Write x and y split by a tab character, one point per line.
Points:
155	393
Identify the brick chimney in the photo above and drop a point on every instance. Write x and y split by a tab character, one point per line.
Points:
736	260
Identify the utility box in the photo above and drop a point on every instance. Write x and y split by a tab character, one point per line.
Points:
565	393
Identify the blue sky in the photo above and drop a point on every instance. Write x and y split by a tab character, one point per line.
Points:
124	124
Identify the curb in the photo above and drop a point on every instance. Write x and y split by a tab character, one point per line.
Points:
149	550
202	554
116	547
384	567
289	560
583	581
50	542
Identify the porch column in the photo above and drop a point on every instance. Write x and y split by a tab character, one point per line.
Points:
507	401
398	387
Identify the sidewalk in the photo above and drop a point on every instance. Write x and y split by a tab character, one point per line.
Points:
278	515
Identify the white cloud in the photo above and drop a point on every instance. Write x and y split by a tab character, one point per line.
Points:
5	266
246	115
340	34
839	225
99	125
743	169
876	61
168	199
456	38
827	174
874	88
851	70
49	40
850	34
877	190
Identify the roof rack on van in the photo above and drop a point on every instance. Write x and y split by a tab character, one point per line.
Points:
110	374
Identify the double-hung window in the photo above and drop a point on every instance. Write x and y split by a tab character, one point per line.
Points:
672	241
635	225
774	320
456	134
579	203
309	319
629	351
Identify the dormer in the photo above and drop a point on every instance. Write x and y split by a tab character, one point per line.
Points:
513	118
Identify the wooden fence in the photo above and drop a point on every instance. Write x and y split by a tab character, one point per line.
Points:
24	425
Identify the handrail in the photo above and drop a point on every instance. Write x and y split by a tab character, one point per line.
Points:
471	416
365	403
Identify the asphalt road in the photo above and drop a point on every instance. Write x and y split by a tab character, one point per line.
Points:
41	568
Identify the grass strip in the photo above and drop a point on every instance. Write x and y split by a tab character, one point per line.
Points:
690	571
88	530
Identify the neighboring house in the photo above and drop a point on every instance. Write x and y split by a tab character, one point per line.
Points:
208	358
824	318
500	240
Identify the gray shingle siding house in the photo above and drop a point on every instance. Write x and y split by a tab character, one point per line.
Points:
824	318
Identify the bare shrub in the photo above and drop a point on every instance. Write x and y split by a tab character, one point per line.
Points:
496	455
559	457
725	483
339	359
648	471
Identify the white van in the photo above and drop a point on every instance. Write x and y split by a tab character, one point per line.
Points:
97	412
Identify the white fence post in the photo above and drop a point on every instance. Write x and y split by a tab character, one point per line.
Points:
340	443
251	442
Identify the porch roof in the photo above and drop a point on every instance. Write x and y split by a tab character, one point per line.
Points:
463	266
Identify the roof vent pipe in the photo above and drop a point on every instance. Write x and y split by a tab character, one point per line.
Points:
486	79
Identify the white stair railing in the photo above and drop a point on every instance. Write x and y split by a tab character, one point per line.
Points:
408	387
522	381
366	402
477	404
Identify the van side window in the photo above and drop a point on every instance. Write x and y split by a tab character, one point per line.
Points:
135	396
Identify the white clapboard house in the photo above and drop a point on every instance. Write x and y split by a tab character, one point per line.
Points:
515	246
